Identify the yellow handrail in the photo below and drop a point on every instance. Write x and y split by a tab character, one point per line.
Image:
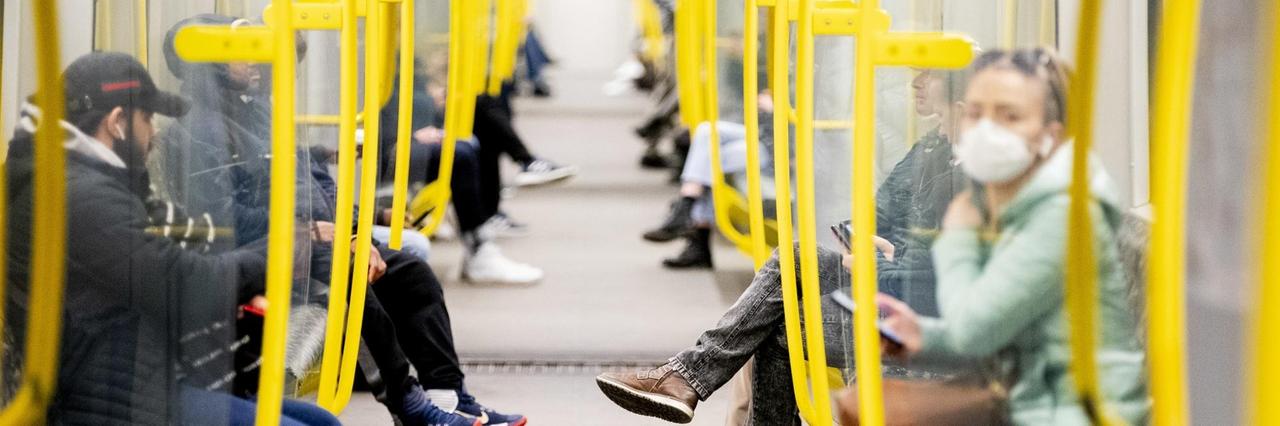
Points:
820	388
686	34
141	29
280	231
1009	24
1081	266
876	46
751	120
49	233
374	34
1166	281
339	280
720	190
436	195
866	347
404	125
1264	382
780	82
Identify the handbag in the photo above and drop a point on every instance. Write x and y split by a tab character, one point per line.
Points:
934	402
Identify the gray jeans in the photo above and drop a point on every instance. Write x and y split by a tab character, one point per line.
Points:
754	326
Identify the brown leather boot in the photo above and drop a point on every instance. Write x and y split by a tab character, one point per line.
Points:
660	392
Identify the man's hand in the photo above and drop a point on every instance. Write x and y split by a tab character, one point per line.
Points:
377	266
885	246
322	231
428	135
765	101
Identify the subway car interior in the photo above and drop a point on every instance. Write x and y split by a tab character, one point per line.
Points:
644	212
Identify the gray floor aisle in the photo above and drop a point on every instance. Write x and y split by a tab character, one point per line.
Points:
606	302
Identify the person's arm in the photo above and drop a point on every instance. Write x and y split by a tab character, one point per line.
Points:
108	238
984	308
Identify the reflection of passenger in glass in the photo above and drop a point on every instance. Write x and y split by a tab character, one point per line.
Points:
910	205
999	258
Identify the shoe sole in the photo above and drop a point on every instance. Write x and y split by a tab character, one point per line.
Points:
523	180
645	403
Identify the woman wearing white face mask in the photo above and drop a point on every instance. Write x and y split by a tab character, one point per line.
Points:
999	258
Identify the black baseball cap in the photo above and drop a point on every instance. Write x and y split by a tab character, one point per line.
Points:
101	81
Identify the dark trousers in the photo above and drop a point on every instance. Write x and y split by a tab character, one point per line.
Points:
407	305
496	136
424	166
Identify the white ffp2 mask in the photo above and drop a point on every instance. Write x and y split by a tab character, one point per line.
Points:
990	153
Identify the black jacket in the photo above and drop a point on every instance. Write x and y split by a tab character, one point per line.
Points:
142	317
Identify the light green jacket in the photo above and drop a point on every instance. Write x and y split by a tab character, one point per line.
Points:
1002	297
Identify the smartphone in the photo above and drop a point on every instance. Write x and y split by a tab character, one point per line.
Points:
844	234
841	297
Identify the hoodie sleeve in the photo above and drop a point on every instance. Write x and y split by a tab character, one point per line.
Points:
984	307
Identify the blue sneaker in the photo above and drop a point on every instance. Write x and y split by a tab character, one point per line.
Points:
468	407
418	411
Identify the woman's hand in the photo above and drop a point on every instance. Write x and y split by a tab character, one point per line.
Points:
962	214
902	320
885	246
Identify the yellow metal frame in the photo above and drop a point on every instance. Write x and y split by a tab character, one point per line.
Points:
1264	382
275	44
49	233
508	19
1166	282
404	125
1081	263
876	47
759	246
332	357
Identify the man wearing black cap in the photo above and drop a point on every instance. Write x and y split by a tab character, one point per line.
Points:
146	324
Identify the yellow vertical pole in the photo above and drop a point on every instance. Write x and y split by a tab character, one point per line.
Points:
102	25
1048	23
780	82
1264	380
710	89
818	382
48	239
1009	24
867	353
1081	266
280	231
339	280
1166	281
913	122
404	125
374	33
751	119
141	38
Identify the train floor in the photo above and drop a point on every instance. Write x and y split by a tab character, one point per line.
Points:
606	302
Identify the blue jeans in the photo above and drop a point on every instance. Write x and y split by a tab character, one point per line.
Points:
201	407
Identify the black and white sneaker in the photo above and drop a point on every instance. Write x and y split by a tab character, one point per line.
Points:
542	172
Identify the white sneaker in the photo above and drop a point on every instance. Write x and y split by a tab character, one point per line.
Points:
488	265
501	226
541	172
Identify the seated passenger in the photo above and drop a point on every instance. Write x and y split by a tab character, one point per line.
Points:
910	205
693	214
484	261
129	292
230	130
1000	254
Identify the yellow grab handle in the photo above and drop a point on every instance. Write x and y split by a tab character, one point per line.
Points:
1264	382
276	44
720	189
404	125
1166	282
780	82
751	120
140	30
49	233
339	280
1008	24
811	294
280	231
1081	275
374	34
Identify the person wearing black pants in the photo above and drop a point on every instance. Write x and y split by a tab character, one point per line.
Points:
497	135
474	207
